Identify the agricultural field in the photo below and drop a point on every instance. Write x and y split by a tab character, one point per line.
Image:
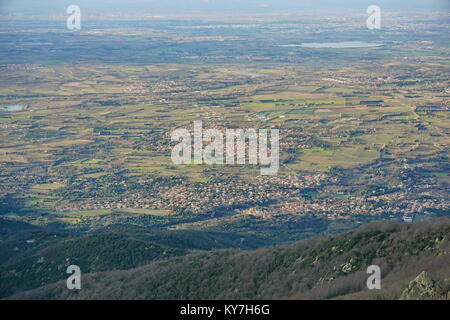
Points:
85	134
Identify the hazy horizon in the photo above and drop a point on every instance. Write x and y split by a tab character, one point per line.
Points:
210	6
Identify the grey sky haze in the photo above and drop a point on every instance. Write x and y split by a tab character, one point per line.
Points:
212	6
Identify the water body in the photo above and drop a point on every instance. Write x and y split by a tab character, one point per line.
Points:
15	107
245	73
335	45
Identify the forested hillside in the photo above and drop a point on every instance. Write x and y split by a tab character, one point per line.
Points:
318	268
31	257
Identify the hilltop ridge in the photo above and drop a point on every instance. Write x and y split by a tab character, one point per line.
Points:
332	267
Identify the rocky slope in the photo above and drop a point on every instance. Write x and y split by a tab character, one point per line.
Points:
424	288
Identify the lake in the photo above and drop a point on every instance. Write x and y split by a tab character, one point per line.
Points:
335	45
15	107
